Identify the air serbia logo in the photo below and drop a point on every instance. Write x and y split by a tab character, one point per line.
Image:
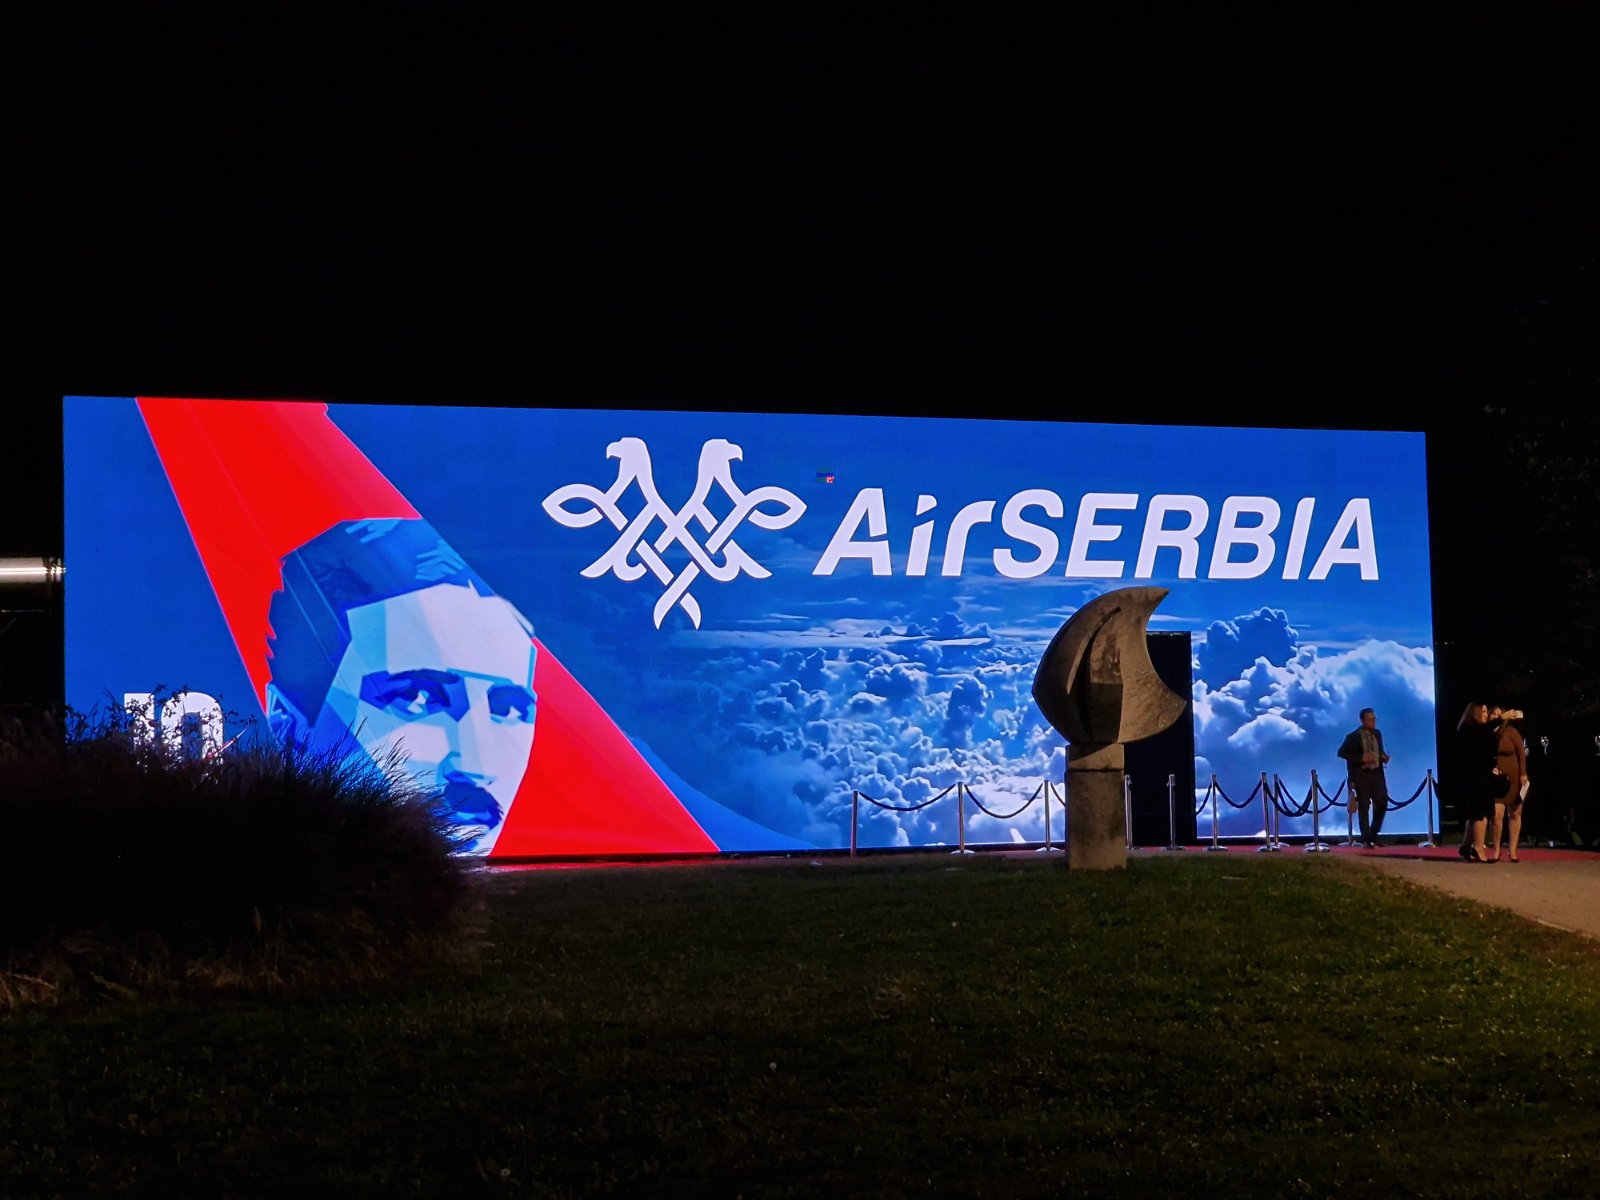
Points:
638	548
1176	536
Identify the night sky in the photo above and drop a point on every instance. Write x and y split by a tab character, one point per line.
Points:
1375	221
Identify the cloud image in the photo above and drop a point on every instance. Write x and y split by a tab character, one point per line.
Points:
1288	719
900	707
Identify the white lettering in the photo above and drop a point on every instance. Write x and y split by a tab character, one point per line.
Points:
868	506
141	710
175	708
1297	538
1087	532
955	542
1012	522
1357	515
1230	534
921	538
1186	541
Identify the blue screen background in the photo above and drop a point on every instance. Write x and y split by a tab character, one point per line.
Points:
798	688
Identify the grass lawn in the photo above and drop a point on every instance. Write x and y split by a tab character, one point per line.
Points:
1234	1025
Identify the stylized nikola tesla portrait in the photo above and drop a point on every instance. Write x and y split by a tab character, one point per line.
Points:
382	633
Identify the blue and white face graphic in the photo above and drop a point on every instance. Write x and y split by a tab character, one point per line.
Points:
445	676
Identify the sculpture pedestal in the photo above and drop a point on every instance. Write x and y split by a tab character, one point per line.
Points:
1097	831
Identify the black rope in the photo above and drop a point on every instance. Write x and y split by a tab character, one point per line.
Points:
1277	792
1288	808
1394	805
973	796
1323	801
1333	800
907	807
1246	802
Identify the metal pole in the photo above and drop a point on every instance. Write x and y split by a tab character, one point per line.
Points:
1266	816
961	820
1047	814
1277	786
1172	813
1428	843
1047	848
1127	812
855	804
1277	813
1349	821
1317	846
1216	841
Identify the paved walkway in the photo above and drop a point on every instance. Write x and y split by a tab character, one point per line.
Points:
1555	887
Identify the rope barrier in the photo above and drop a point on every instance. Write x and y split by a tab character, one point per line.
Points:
908	807
1334	800
1276	800
1396	805
1026	804
1286	808
1247	801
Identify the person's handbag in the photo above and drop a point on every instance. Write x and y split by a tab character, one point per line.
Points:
1499	786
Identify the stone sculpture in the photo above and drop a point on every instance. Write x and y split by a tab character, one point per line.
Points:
1097	686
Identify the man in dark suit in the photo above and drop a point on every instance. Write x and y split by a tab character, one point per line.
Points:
1364	756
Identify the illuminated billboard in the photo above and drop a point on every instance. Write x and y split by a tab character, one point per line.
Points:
635	632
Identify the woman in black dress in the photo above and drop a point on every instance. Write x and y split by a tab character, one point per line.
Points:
1477	779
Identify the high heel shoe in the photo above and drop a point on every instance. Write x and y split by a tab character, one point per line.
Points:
1465	852
1474	856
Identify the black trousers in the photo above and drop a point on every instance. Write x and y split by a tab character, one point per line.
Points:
1371	792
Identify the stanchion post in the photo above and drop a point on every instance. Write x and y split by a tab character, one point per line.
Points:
1277	813
1047	848
1172	813
1317	846
1047	814
1267	808
1216	838
1127	812
961	821
1428	843
855	805
1349	823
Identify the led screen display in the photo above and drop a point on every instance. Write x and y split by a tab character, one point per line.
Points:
649	632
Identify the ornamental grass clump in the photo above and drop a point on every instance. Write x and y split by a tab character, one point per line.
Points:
131	867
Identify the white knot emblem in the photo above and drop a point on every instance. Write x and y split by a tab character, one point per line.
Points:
638	549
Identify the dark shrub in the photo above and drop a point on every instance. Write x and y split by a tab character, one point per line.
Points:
125	864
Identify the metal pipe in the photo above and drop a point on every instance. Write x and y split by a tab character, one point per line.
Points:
30	584
855	805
